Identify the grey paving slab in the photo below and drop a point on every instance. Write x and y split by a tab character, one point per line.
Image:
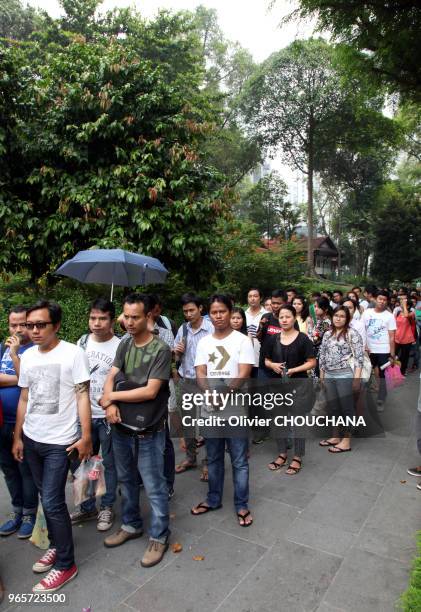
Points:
370	468
287	490
342	507
366	582
397	510
191	585
326	538
378	540
265	513
289	578
324	607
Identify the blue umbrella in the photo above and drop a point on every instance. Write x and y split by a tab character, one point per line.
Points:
114	267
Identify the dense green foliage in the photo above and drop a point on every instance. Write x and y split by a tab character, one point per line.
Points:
387	32
121	131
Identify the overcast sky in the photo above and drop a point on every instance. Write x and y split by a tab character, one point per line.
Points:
250	22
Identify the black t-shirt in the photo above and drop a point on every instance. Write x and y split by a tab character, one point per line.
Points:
294	354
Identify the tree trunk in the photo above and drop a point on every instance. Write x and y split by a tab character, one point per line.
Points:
310	171
339	248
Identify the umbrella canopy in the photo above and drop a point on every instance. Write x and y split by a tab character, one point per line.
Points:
114	267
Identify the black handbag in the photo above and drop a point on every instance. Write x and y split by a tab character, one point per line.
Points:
142	417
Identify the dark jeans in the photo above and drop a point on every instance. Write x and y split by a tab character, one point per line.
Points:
339	395
169	460
101	438
377	360
237	448
402	352
144	455
19	481
49	465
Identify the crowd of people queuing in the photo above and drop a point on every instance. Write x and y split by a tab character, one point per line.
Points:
61	402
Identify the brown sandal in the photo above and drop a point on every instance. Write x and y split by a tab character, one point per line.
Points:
183	467
295	469
277	466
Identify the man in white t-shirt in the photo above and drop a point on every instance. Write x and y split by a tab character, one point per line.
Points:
380	327
100	346
254	313
54	378
226	356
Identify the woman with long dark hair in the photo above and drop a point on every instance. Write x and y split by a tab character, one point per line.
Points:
289	354
341	359
405	329
316	331
303	313
238	320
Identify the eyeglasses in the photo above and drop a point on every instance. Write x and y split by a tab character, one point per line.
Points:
39	325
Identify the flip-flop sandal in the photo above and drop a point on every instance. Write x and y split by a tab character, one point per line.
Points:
243	517
206	509
325	443
295	469
181	468
336	449
277	466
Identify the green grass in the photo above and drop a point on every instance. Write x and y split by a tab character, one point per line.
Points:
411	599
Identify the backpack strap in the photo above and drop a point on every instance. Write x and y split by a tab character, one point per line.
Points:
83	342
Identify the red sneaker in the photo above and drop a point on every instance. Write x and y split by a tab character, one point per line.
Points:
46	562
55	579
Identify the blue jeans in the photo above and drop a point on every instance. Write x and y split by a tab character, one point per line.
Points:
145	456
49	465
19	481
237	447
101	435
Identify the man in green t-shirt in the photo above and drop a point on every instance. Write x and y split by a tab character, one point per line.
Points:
146	361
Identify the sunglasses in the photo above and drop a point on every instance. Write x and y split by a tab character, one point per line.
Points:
39	325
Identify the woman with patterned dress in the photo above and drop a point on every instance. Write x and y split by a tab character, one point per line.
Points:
341	359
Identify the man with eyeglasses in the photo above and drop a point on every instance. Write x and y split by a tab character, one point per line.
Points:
19	481
54	378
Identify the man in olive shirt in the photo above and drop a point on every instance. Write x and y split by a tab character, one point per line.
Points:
146	361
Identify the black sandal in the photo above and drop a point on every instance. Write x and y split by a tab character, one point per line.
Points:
295	469
243	517
277	466
206	510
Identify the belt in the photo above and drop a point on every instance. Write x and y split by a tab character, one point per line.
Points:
133	433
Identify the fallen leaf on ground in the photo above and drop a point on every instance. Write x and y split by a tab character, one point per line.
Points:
176	547
198	558
403	481
172	515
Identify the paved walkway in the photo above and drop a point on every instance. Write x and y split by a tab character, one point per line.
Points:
337	537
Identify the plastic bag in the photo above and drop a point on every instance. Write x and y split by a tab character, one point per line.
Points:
393	377
39	537
89	480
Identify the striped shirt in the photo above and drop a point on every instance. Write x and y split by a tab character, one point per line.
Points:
187	369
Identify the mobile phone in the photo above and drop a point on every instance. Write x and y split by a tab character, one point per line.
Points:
73	455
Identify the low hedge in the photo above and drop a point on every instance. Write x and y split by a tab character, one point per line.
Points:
411	599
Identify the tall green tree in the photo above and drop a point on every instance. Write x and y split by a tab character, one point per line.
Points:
397	239
292	104
106	150
265	205
388	33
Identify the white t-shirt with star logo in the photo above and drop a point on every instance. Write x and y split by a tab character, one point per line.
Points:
223	357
